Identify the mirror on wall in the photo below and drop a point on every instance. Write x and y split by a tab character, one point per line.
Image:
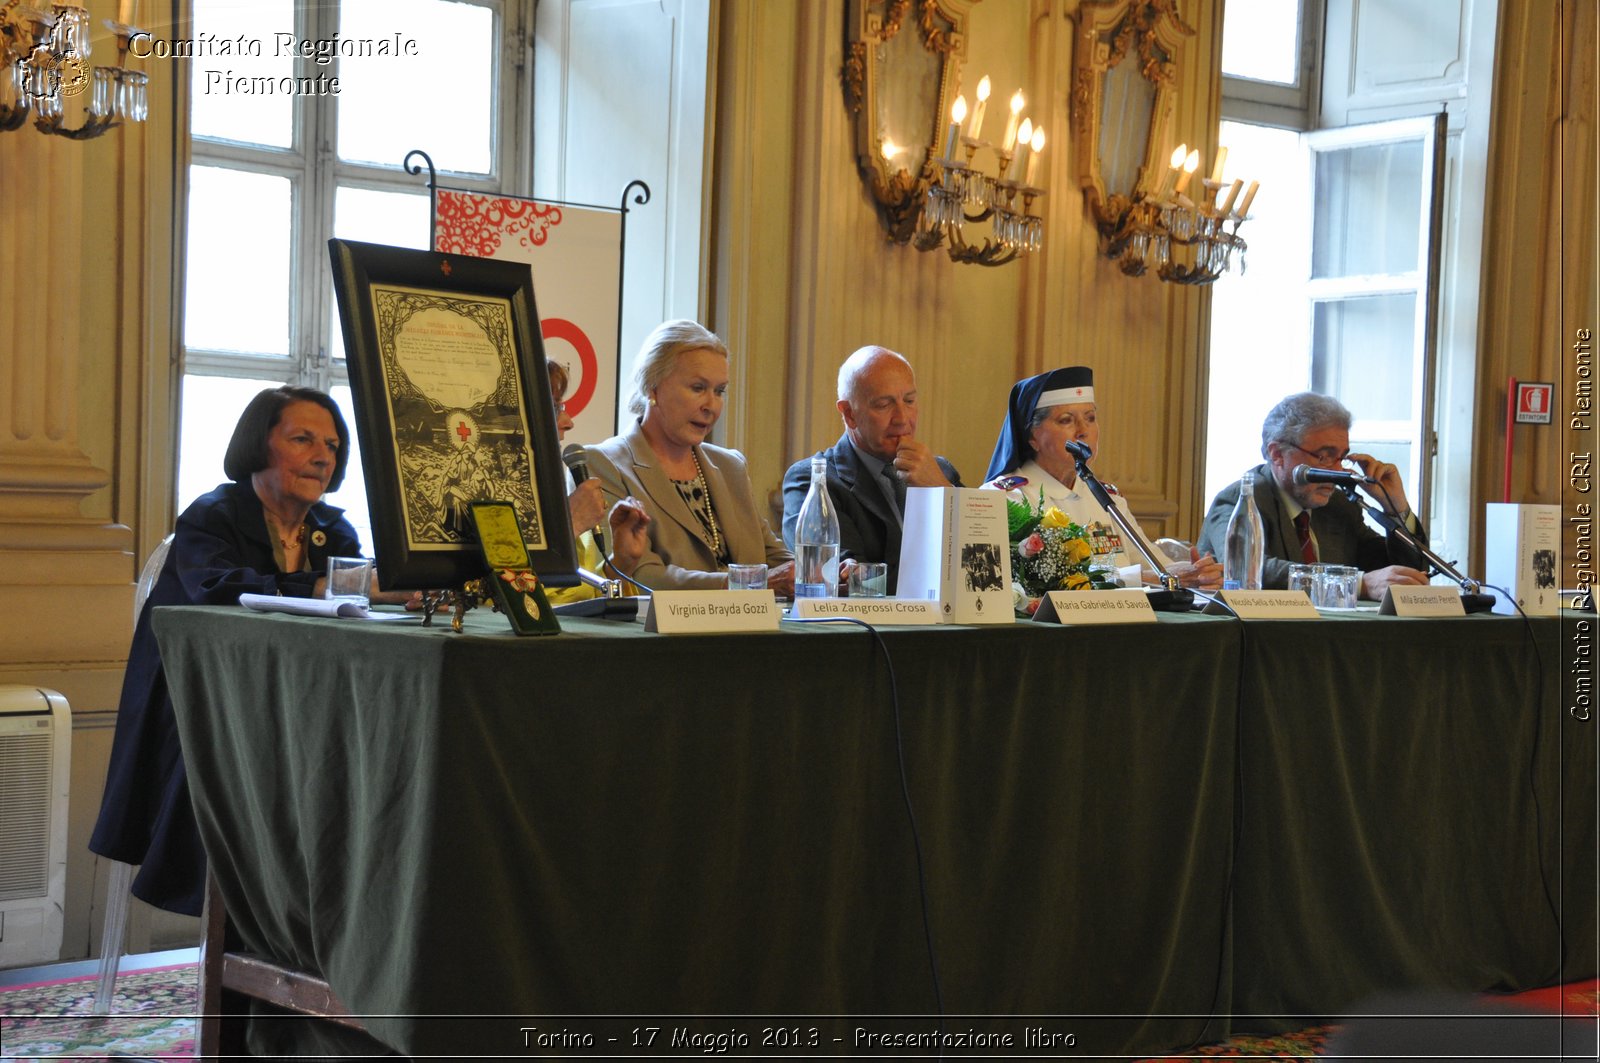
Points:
902	68
1124	95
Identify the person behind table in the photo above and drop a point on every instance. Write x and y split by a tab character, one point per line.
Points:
1044	413
265	532
702	507
874	461
586	505
1315	522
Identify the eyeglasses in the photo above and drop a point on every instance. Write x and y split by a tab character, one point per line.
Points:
1327	457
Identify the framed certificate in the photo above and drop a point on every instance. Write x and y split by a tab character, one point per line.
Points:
452	405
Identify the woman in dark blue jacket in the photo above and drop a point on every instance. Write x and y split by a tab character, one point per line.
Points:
267	532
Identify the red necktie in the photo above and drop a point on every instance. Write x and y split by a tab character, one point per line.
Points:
1302	528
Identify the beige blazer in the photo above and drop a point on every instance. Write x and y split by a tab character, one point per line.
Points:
680	557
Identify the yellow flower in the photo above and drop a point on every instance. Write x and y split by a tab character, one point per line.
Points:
1078	551
1077	581
1054	518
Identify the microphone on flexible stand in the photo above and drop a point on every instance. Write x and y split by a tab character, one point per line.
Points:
1473	600
576	459
1308	474
1170	597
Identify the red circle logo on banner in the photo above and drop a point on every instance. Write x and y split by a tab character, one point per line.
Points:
557	328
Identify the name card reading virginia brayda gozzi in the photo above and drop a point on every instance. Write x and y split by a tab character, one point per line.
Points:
709	612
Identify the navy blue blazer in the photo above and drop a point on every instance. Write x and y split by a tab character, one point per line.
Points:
1343	536
220	550
868	530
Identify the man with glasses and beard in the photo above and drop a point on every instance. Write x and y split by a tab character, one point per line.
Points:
1315	522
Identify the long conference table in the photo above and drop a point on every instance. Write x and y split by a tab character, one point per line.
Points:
1138	838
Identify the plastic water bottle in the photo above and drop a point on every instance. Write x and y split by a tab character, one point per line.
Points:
816	539
1246	542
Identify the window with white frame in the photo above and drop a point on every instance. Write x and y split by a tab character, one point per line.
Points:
275	173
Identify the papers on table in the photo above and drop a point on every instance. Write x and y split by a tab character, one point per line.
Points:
272	603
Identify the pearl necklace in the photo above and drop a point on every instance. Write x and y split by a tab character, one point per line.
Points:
711	513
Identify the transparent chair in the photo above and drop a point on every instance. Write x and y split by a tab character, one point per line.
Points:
116	924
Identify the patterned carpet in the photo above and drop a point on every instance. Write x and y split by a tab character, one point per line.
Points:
152	1016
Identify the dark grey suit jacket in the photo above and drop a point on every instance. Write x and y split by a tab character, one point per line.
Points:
1343	536
868	530
680	557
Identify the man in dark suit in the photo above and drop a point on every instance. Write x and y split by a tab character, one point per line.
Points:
874	462
1315	522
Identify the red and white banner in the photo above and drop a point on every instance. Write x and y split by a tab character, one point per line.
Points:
576	255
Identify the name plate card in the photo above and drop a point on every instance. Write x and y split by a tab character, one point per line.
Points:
710	612
887	611
1422	601
1125	606
1271	605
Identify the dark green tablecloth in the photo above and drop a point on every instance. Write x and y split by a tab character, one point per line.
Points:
610	822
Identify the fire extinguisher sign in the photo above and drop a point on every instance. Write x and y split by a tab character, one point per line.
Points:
1533	402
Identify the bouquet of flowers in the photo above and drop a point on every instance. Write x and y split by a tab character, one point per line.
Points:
1049	553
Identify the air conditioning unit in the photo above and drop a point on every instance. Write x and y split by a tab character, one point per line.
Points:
35	770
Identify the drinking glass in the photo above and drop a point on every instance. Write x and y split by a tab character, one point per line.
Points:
747	577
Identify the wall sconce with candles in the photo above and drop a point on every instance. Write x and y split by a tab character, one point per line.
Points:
1123	98
46	64
899	81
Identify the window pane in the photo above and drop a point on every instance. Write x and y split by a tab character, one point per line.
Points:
1368	210
237	296
352	494
1259	348
224	108
1362	353
440	99
1261	40
395	218
210	406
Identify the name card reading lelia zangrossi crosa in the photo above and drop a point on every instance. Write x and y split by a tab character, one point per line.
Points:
708	612
1271	605
1128	605
886	611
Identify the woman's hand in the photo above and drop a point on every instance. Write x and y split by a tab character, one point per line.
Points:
780	579
587	506
630	537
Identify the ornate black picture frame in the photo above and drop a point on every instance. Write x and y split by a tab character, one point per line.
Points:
452	405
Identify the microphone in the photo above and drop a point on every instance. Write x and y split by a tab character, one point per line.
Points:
576	458
1305	474
1078	450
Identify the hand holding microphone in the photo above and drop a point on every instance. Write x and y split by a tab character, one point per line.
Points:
587	504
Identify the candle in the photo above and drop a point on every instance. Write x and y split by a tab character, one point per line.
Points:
1018	161
1249	194
890	149
1190	165
1233	193
1175	164
1010	139
975	123
1216	169
1035	146
128	12
958	114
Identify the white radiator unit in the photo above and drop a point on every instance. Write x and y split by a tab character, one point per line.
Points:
35	770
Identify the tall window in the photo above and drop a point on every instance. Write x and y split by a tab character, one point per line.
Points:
282	161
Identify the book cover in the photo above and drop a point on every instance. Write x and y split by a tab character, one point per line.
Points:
1521	544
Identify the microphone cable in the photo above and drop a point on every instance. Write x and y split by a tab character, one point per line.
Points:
1224	949
905	793
1550	897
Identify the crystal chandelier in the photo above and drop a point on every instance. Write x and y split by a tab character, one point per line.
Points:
47	71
